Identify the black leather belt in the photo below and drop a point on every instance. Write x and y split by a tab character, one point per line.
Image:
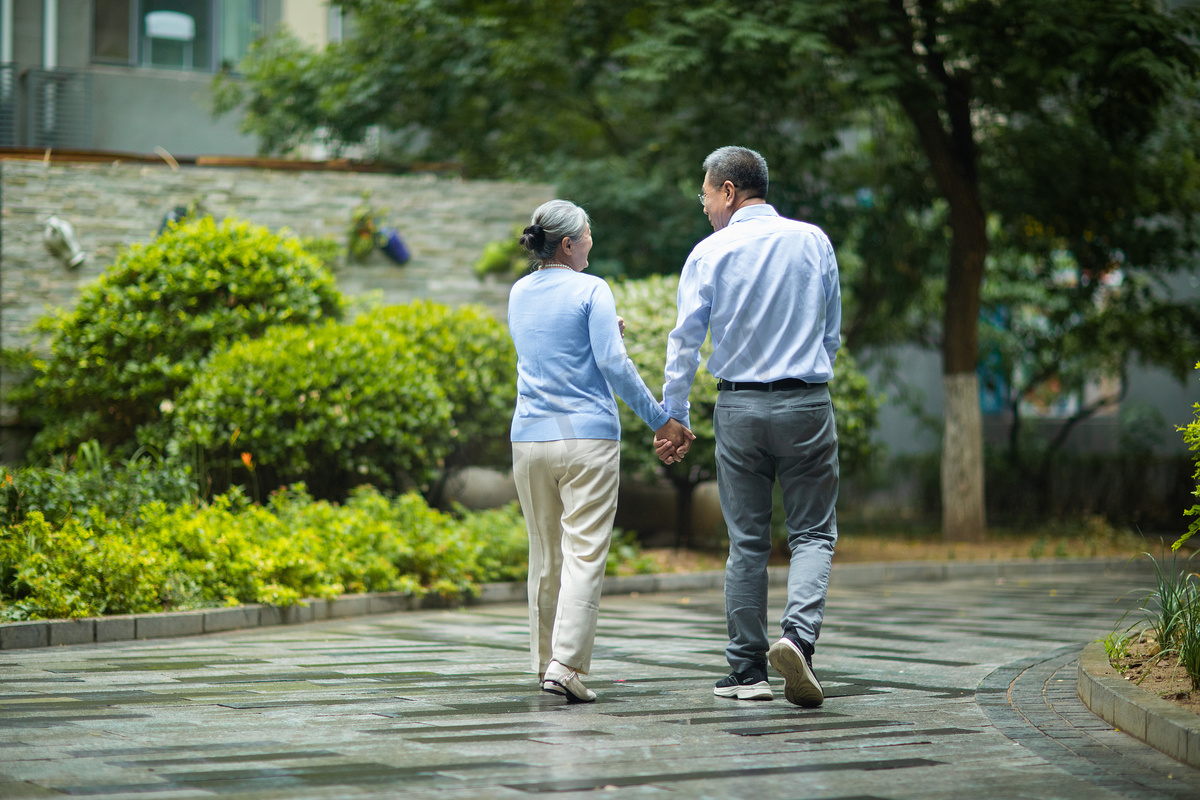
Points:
773	386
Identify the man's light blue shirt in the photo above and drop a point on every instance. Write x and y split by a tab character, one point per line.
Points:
570	358
767	286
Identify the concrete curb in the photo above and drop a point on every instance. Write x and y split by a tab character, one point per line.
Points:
1164	726
47	633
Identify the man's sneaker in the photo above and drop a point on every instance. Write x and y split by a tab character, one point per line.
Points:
800	685
564	681
749	685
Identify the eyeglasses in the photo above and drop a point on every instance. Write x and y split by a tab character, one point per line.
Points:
703	195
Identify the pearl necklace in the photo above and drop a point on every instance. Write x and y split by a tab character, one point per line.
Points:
559	266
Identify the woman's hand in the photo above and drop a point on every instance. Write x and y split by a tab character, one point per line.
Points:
672	441
621	326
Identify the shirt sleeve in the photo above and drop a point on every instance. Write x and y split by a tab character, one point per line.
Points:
614	362
694	302
833	305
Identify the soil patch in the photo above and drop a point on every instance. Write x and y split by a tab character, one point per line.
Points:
859	547
1160	675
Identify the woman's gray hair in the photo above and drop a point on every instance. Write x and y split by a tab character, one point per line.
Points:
550	224
743	167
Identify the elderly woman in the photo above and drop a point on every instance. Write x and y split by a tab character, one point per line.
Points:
566	438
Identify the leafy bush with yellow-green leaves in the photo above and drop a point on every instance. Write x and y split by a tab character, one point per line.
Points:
141	332
232	551
1191	437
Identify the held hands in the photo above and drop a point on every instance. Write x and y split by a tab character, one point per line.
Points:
672	441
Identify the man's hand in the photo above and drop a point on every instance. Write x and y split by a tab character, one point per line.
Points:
672	441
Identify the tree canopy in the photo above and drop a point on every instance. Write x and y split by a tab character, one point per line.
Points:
932	139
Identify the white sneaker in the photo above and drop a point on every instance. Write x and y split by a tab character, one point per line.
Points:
800	685
564	681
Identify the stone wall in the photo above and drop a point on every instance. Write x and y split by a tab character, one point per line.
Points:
444	221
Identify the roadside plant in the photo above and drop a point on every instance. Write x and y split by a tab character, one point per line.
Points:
1170	614
398	398
141	332
232	551
1189	641
1169	603
1116	644
1191	437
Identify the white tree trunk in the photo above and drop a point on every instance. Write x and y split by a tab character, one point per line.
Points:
963	518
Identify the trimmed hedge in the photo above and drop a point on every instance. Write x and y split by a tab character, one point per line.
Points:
140	333
336	405
390	399
474	361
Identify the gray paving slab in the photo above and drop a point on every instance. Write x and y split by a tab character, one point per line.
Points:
944	689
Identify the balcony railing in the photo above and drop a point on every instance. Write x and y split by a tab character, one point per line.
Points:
8	105
58	108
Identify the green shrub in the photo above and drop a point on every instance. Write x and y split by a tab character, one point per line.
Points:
625	555
1191	436
232	551
473	360
334	405
139	334
396	398
69	570
93	488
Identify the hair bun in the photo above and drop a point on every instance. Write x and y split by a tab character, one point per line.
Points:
533	237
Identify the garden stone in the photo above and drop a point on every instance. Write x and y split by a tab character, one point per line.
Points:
15	635
72	631
171	623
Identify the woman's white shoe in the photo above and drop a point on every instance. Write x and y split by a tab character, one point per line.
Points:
565	682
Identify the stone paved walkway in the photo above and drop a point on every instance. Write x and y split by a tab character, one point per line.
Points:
957	689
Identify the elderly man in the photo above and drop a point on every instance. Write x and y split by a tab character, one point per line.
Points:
767	288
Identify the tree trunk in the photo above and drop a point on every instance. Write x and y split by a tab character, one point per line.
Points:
685	490
963	518
963	515
952	160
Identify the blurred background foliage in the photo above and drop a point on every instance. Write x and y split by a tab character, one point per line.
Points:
1080	146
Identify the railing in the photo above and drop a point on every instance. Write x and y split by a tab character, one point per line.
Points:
58	108
8	105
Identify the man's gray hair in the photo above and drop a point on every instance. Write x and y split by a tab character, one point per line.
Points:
743	167
550	224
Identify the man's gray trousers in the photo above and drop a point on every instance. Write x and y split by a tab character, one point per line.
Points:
760	436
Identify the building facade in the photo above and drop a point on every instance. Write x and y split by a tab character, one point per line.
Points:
135	75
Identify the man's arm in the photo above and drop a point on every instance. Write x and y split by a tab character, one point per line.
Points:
833	305
694	303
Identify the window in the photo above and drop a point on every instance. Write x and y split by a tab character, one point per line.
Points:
112	34
200	35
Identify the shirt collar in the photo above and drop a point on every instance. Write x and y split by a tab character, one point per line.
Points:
750	212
